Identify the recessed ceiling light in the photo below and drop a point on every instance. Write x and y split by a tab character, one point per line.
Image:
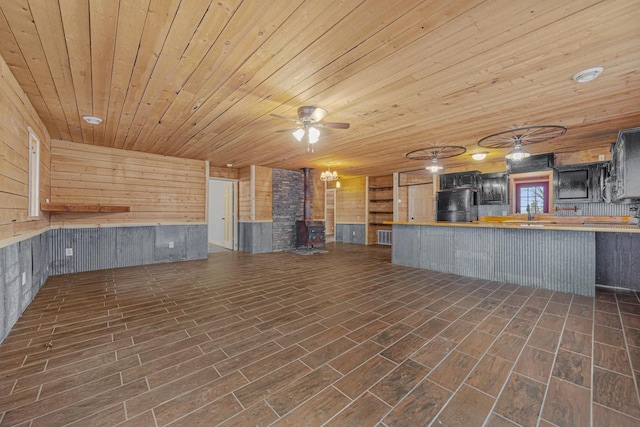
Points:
479	156
588	74
229	165
92	120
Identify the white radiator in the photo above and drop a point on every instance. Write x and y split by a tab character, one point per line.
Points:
384	237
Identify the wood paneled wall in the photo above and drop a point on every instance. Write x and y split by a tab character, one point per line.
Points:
263	193
351	201
317	203
244	194
255	199
158	189
223	173
17	114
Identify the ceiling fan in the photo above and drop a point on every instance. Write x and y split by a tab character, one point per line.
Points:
308	121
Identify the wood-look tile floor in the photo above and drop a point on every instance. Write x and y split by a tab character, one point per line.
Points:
341	338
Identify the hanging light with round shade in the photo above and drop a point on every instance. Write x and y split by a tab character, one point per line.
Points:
434	154
518	153
517	138
434	166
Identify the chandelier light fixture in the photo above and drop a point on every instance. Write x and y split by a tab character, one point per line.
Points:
434	153
519	137
329	176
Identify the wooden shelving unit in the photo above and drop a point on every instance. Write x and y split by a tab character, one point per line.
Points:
380	194
81	207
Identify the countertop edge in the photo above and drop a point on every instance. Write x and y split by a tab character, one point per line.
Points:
605	228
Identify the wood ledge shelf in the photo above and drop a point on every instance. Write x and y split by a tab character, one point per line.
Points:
81	207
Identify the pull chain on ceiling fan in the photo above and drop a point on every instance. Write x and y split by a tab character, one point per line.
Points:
309	121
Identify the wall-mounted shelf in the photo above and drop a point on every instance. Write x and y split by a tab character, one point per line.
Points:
82	207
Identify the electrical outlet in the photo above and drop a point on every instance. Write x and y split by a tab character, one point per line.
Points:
24	278
170	245
68	252
354	233
601	157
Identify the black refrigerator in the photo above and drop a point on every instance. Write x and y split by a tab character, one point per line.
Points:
458	205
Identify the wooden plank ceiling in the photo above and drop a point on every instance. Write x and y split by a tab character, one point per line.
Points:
200	78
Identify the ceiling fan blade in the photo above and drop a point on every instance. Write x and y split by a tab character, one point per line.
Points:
335	125
288	130
286	118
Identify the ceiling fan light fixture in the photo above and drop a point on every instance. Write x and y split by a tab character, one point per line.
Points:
587	75
479	156
314	135
299	133
518	153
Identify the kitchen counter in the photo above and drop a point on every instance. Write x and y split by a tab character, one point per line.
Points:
557	257
531	225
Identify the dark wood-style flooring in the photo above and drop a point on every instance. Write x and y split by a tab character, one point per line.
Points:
343	338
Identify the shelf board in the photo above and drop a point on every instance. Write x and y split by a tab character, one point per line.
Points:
82	207
380	200
379	224
380	188
381	212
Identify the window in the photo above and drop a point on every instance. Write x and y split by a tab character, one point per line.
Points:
34	174
531	189
532	197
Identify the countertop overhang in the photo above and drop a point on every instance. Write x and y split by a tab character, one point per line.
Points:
529	225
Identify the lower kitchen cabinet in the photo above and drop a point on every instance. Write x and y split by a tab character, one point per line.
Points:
618	260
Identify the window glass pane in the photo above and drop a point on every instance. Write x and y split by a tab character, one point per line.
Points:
532	197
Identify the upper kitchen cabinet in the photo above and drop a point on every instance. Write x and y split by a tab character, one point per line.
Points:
539	162
625	171
459	180
493	189
580	183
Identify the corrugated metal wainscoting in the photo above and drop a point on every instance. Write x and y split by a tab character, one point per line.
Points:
84	249
548	259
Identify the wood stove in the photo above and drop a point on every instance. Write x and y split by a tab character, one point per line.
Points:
309	233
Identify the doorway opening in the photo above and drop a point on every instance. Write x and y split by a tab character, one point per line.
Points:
222	217
330	214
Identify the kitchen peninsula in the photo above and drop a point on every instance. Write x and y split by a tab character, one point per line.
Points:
559	257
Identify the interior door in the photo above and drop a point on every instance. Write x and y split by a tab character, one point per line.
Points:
222	218
330	212
420	204
228	203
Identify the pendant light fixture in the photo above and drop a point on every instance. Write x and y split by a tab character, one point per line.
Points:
518	153
517	138
434	153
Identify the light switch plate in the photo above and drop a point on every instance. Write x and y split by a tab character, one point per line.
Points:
170	245
68	252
